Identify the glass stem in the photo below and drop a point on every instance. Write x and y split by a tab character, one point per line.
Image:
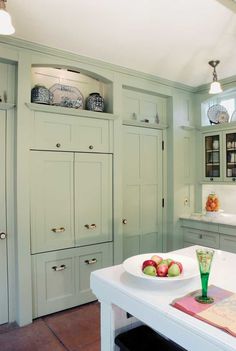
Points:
204	280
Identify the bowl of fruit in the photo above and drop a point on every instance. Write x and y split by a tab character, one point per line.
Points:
161	267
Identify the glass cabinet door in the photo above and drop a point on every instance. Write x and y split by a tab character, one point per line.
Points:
230	156
212	156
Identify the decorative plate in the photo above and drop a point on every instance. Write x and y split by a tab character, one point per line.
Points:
233	117
217	114
133	266
66	96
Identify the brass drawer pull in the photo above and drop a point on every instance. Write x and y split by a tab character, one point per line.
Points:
90	226
92	261
58	230
125	221
91	147
58	145
62	267
200	236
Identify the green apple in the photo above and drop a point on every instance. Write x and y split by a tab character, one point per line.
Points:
150	270
174	270
165	262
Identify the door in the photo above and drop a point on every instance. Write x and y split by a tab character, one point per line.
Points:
52	217
93	198
142	191
3	240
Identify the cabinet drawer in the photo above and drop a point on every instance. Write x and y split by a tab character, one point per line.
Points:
204	238
61	279
62	132
228	243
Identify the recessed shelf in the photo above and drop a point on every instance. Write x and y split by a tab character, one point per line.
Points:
128	122
70	111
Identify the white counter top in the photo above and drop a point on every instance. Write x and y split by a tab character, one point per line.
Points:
150	303
221	218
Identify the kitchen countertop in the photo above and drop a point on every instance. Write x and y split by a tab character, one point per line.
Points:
221	218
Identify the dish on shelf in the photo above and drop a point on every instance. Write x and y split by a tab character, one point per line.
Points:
66	96
133	266
233	117
217	114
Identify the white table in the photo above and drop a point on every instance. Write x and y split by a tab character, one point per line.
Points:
149	302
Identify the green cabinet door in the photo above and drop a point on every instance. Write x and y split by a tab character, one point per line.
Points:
142	191
52	224
93	198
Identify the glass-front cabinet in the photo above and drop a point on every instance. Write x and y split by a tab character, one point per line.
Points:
212	156
219	156
230	154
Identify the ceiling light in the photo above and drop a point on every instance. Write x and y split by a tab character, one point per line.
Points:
215	87
6	27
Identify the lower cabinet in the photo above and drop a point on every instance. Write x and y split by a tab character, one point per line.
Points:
200	237
217	236
61	279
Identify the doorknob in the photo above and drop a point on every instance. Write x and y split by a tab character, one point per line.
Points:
3	236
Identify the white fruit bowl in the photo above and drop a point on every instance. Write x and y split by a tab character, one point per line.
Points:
133	266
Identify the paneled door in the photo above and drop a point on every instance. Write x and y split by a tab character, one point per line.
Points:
142	191
3	238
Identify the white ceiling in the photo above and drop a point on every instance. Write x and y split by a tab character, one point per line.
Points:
172	39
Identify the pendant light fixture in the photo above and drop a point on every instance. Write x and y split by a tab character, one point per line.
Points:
6	27
215	87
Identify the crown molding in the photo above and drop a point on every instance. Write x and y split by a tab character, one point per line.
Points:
43	49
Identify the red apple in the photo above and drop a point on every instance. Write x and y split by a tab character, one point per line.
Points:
162	270
149	263
157	259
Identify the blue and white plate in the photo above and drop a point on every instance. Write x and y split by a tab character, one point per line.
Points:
66	96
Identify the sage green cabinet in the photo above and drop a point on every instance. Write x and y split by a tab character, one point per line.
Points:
52	186
219	157
142	190
215	235
61	279
54	131
93	198
71	199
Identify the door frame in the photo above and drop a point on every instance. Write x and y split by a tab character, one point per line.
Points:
10	210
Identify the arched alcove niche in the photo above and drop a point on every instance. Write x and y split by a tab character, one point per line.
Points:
86	82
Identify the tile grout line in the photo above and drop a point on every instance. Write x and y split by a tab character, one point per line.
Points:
66	348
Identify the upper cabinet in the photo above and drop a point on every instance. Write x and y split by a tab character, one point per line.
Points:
219	156
144	108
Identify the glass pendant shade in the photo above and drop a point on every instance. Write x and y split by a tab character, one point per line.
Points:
6	27
215	88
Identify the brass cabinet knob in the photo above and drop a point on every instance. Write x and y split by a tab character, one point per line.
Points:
58	145
91	147
3	236
58	230
62	267
90	226
92	261
125	221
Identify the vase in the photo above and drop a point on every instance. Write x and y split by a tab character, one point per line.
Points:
41	95
95	102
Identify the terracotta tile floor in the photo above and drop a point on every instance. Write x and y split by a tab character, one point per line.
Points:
76	329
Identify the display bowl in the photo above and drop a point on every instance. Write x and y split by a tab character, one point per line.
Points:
133	266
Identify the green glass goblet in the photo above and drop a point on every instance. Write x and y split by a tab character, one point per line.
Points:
204	257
